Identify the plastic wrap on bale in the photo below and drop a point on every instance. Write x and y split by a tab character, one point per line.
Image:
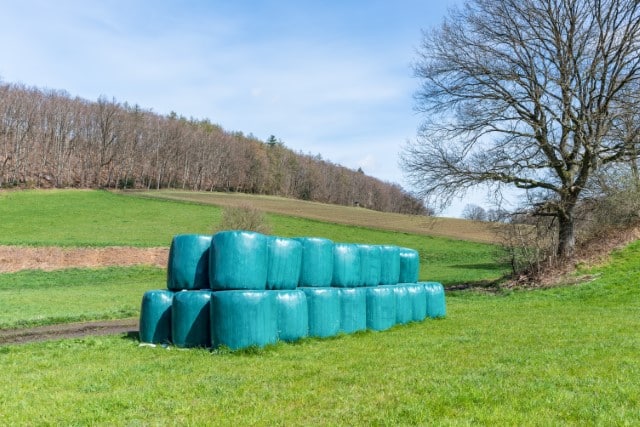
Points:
238	261
188	266
404	308
370	265
284	263
293	314
436	304
418	297
390	265
243	318
409	265
324	311
155	317
317	262
346	266
353	310
381	308
190	319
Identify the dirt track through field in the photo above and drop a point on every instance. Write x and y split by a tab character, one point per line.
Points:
69	330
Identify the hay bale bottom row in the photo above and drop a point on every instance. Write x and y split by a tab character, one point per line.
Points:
241	319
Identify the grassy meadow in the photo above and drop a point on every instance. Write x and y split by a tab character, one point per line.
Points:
98	218
451	228
563	356
566	356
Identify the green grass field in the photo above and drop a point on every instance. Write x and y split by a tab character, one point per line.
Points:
452	228
564	356
33	298
99	218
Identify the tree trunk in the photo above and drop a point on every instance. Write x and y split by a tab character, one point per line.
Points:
566	235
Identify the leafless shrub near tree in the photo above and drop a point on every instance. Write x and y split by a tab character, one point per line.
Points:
533	94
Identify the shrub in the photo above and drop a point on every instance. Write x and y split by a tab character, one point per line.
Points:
244	217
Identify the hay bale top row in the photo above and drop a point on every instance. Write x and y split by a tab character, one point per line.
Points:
238	260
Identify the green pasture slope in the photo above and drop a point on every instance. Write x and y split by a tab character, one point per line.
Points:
566	356
99	218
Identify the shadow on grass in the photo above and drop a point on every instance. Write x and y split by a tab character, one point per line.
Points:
490	266
131	336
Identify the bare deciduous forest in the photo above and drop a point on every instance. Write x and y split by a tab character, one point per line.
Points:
51	139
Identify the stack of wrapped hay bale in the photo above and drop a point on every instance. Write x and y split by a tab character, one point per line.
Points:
240	289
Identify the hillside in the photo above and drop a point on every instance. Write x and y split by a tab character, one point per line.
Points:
45	220
49	139
452	228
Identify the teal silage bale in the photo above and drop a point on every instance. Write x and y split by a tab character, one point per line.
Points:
409	265
243	318
238	261
317	262
381	308
404	308
155	317
190	319
346	265
284	263
436	305
353	309
418	297
293	315
390	265
188	266
370	265
324	311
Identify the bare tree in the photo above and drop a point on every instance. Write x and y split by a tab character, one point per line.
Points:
524	93
474	213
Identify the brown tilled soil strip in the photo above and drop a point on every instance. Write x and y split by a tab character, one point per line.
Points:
69	330
16	258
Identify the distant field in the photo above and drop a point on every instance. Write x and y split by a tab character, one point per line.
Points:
99	218
431	226
73	218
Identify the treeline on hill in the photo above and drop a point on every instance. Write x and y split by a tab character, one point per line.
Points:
49	139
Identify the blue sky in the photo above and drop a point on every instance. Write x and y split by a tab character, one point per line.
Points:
326	77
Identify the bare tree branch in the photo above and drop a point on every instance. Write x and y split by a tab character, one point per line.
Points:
526	93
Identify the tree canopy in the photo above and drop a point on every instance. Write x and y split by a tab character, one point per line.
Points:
528	94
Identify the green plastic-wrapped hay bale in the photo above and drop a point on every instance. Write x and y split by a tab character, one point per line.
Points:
293	314
409	265
238	261
243	318
188	266
155	317
353	309
284	263
404	308
418	297
370	265
390	265
190	319
381	308
346	265
324	311
317	262
436	305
